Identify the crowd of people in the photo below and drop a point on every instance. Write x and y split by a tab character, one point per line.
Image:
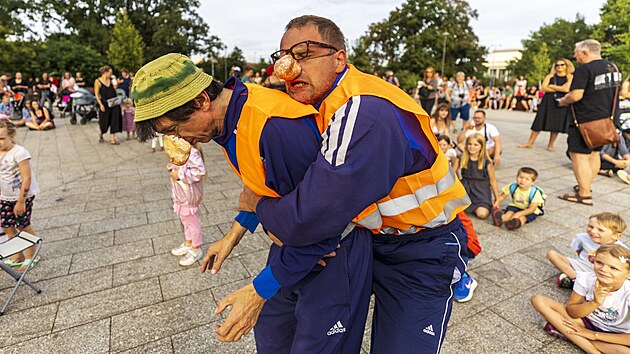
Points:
311	180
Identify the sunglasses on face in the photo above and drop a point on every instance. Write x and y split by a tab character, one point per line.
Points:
302	51
561	64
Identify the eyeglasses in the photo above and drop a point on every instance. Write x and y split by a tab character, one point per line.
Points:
561	64
302	50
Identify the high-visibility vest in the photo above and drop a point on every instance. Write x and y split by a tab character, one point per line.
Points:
261	105
426	199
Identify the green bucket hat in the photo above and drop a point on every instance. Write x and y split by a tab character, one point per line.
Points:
166	83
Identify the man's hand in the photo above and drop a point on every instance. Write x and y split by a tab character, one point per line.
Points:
217	253
248	200
246	307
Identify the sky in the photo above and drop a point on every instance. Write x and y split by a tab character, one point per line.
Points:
257	26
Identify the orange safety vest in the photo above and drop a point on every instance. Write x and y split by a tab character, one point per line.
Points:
261	105
425	199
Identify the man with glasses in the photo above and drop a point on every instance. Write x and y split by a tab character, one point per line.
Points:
270	141
379	160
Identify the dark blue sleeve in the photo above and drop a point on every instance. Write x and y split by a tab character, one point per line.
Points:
247	220
364	151
288	147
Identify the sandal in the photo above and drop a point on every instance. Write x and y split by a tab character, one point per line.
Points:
552	331
576	199
114	143
576	188
101	140
28	262
12	263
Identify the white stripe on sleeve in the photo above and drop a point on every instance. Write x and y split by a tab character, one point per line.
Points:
347	132
334	128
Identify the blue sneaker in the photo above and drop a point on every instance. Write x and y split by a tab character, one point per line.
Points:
465	288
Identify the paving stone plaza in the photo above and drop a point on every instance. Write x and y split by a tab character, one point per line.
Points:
111	285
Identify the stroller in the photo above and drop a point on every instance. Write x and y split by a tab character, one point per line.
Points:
84	105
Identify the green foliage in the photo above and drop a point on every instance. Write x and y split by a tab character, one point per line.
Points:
540	66
223	64
125	48
411	38
560	38
614	33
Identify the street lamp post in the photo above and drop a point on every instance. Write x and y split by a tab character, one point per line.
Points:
445	34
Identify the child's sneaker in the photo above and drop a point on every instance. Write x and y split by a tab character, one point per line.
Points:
497	215
565	282
552	331
190	258
513	224
181	250
465	288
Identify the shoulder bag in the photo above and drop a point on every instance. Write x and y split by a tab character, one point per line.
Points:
601	131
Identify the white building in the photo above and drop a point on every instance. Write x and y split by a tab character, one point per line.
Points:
497	61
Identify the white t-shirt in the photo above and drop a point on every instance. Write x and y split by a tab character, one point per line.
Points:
587	247
450	154
489	131
10	178
613	314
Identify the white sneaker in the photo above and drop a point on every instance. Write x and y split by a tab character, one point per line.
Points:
190	258
624	176
181	250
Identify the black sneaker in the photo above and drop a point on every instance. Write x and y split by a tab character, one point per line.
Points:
497	215
565	282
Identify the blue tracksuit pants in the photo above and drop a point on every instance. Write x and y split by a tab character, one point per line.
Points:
326	311
414	281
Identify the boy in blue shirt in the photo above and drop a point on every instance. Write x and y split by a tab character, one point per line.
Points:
527	201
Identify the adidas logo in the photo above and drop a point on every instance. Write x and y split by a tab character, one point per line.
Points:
337	328
429	330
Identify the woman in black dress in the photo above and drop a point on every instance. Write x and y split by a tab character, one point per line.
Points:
110	116
550	116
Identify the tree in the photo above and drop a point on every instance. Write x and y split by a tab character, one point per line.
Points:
613	32
560	38
411	39
540	65
125	48
165	25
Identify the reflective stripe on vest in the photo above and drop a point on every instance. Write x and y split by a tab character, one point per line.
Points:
426	199
261	105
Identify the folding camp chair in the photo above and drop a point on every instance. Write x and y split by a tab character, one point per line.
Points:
19	243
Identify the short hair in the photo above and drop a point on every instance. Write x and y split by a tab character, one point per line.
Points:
611	220
145	129
480	111
9	126
591	45
445	138
327	29
529	171
617	251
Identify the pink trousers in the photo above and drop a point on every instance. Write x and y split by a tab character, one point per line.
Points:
192	226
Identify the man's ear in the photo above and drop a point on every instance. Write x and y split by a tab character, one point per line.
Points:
341	61
202	101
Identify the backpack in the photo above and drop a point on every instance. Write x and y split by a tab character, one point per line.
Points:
532	193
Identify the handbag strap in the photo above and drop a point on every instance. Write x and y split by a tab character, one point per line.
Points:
612	116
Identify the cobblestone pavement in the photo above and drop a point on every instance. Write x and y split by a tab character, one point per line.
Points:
110	284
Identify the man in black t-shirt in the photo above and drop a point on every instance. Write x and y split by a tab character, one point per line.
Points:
592	96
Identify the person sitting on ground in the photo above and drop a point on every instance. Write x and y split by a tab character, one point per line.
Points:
41	119
447	148
441	120
482	95
506	97
389	77
532	98
477	176
602	229
527	201
6	108
614	157
26	115
519	102
596	316
488	131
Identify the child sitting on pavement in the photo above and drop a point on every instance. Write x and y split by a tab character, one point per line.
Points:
527	201
602	229
596	317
